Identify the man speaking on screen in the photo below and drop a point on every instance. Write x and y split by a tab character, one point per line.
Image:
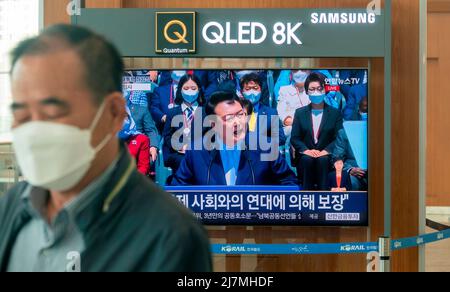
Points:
227	161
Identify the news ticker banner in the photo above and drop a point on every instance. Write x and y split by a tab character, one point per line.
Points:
326	248
277	206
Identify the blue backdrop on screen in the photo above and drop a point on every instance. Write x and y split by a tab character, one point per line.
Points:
320	176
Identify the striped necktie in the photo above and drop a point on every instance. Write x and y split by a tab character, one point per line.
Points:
189	114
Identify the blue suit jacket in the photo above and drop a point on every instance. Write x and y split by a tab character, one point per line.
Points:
266	129
206	168
354	98
160	104
344	74
173	158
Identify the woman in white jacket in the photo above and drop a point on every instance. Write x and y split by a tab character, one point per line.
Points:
291	98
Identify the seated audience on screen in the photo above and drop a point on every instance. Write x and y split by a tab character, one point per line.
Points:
314	134
137	103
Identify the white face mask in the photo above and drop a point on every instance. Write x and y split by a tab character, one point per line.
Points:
300	77
55	156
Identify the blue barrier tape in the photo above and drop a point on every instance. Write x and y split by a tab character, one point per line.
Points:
292	249
324	248
420	240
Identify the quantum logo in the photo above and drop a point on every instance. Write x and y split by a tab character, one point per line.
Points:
175	32
181	37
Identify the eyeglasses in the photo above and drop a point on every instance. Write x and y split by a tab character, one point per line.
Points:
230	118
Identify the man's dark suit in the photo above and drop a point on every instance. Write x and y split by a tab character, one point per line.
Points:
206	168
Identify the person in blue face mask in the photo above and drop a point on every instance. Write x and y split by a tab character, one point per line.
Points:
263	77
188	117
314	134
333	98
138	144
251	89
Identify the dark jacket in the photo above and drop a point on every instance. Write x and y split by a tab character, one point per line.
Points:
145	229
344	150
302	131
172	158
159	106
266	129
355	95
206	168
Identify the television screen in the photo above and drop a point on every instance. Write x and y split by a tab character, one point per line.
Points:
255	147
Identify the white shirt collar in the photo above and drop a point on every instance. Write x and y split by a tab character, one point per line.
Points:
184	107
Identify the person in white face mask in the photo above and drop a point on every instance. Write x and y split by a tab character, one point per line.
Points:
83	197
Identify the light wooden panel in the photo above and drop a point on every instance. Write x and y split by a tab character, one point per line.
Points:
438	105
405	129
103	3
55	12
441	6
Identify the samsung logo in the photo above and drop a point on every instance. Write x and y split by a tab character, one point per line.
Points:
343	18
